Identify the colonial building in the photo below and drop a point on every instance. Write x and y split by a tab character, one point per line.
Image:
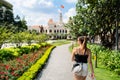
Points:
55	30
6	12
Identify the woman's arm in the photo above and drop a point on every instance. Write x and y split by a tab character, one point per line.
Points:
90	62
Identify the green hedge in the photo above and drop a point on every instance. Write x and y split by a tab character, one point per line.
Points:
35	47
25	49
31	72
109	58
9	53
43	44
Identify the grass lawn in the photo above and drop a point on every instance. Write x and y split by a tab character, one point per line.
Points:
60	42
103	74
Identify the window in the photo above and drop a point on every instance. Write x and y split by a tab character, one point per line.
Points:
57	31
54	31
60	31
50	30
65	31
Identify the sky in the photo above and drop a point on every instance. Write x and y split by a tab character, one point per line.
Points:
38	12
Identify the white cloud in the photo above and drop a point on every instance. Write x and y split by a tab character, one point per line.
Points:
32	3
46	3
29	3
71	12
33	13
23	8
38	18
71	1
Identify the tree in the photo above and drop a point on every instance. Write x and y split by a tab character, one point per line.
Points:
96	17
23	24
8	17
106	12
41	38
18	38
4	35
20	25
29	37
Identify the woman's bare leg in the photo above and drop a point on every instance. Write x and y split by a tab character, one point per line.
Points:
78	77
84	78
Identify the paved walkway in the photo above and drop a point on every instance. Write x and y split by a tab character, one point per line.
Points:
59	65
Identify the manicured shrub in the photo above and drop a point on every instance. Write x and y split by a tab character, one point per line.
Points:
25	49
109	58
8	53
43	44
35	47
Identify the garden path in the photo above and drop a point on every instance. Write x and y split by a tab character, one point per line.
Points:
59	65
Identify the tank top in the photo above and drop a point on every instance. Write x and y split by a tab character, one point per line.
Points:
81	58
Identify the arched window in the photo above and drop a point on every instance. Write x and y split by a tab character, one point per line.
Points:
50	36
57	31
54	31
46	31
55	26
50	30
65	31
60	31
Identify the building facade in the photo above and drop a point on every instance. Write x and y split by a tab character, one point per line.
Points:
55	30
6	12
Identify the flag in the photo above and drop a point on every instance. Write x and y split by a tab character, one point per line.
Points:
62	6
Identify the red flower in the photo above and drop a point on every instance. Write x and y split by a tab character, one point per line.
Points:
25	56
16	74
13	73
7	67
19	60
5	73
1	73
2	76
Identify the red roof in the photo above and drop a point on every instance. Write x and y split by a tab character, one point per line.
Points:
50	21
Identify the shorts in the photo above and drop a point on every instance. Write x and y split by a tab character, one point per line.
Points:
84	70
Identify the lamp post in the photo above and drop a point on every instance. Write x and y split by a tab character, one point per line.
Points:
117	24
17	20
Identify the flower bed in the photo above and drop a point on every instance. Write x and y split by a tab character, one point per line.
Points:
14	68
31	72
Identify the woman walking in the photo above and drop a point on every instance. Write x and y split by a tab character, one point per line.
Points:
81	55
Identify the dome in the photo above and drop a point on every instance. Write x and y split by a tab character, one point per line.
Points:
50	21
